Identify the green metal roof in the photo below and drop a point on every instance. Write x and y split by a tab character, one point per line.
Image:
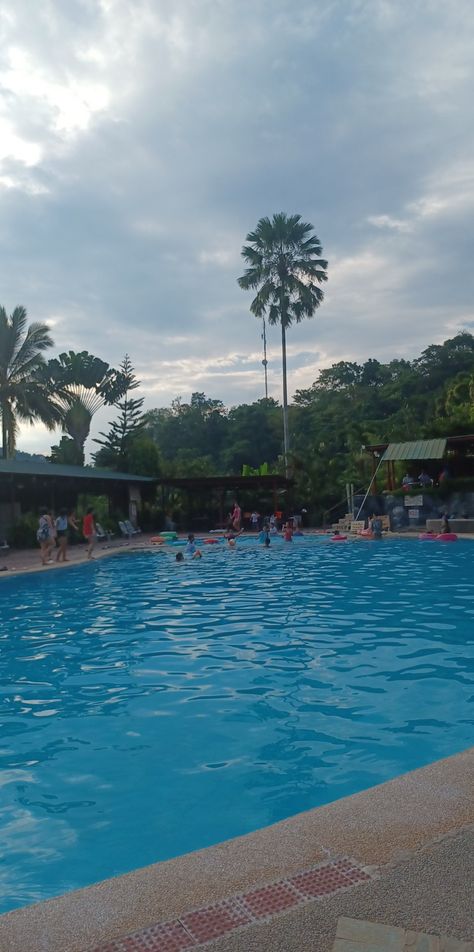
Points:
20	467
418	449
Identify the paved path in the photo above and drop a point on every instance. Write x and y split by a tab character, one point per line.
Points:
429	891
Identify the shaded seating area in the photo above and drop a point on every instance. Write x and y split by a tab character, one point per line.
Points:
430	462
27	485
213	492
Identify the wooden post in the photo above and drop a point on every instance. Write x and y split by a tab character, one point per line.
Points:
221	506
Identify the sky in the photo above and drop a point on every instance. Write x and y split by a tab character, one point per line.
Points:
141	140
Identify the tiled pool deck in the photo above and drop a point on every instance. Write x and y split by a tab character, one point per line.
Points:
399	853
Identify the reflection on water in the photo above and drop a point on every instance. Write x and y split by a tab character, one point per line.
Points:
148	709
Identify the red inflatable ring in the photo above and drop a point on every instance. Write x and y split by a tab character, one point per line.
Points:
339	538
211	541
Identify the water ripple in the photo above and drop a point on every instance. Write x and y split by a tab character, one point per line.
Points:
149	709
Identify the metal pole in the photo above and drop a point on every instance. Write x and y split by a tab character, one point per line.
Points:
286	436
368	490
265	361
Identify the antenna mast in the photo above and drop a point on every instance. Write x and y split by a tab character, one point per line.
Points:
265	361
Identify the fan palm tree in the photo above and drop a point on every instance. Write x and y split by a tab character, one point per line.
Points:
24	395
284	264
84	384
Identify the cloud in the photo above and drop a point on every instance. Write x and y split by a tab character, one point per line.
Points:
140	142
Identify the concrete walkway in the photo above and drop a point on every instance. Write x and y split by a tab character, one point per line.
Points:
429	891
411	836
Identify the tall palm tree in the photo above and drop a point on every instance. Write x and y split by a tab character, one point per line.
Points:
24	396
284	263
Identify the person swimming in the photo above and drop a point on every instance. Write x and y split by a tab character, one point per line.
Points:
191	548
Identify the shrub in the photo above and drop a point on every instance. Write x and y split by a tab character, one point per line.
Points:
23	534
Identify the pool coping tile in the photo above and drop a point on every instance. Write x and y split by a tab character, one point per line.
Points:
379	826
204	924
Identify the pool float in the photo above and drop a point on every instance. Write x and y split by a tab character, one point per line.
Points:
169	535
157	540
427	537
447	537
210	541
339	538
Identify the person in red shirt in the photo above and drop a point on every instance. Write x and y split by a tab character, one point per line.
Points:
89	532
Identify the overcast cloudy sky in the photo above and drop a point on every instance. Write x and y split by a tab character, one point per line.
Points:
140	140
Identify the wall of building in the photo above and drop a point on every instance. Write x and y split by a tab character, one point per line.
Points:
413	511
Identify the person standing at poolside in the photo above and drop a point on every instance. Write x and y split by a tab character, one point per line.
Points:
254	520
62	526
45	535
236	516
445	527
89	532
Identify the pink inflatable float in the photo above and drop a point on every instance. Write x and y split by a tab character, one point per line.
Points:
339	538
441	537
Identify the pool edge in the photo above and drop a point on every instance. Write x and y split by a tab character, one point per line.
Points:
376	827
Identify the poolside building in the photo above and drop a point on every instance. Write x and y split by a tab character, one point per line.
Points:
26	485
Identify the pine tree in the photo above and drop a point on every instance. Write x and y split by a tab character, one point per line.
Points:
116	444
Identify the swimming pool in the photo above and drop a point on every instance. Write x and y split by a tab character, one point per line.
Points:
149	708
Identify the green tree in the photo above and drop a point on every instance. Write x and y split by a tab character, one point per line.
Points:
199	427
85	384
144	456
284	264
24	396
117	442
67	452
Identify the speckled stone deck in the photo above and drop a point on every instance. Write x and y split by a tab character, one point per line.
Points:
375	829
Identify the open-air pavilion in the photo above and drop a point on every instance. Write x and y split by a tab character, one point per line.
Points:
456	452
273	487
26	485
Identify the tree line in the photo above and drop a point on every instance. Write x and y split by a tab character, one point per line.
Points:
348	406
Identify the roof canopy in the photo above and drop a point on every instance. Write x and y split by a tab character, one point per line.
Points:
19	467
274	481
418	449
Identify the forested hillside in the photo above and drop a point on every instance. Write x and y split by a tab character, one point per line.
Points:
349	405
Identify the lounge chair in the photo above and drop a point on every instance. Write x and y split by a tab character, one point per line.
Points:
127	529
133	530
103	534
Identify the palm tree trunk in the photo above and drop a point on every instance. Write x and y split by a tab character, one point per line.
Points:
286	436
4	434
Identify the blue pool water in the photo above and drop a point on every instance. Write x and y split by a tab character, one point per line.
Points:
148	708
